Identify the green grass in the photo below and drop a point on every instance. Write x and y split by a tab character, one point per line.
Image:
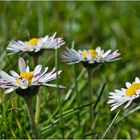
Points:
114	25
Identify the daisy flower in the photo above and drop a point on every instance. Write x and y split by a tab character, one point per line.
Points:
125	95
35	44
89	57
39	76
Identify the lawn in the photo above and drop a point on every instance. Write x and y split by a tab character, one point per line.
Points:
64	113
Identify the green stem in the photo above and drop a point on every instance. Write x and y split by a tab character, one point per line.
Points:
35	60
37	113
90	74
58	90
38	100
31	116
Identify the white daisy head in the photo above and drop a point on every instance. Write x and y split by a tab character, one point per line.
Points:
35	45
26	78
89	57
125	95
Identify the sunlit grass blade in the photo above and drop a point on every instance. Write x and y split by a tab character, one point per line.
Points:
28	135
13	133
19	125
111	124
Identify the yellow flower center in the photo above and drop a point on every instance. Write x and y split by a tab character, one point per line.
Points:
132	89
27	75
33	41
93	52
84	54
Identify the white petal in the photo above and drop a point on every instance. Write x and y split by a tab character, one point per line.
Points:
111	93
71	56
138	91
35	79
45	76
106	53
5	76
45	38
38	76
128	104
22	65
43	71
23	84
10	90
53	85
13	73
27	69
116	106
111	101
51	77
37	69
98	49
128	84
118	91
123	89
137	80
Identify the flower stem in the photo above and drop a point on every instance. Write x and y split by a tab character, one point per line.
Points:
90	74
38	100
35	60
31	116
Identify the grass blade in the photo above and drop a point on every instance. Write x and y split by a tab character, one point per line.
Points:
100	95
109	127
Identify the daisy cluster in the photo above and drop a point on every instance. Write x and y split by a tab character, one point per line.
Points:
27	78
40	76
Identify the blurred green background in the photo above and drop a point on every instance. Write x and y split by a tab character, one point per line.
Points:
114	25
